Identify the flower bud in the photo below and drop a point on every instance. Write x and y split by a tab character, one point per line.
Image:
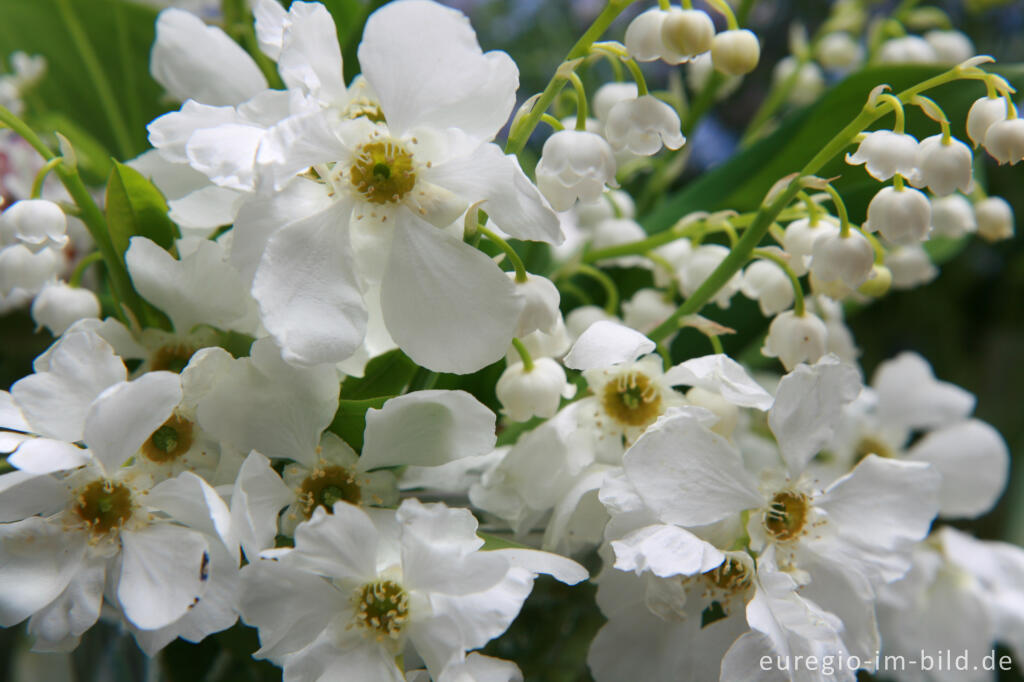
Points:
540	308
22	269
536	393
848	259
952	217
575	165
885	153
950	47
794	339
767	284
878	283
736	52
37	223
688	31
643	38
903	216
698	72
642	125
580	319
943	166
839	52
810	82
907	50
910	267
799	238
995	219
701	263
982	114
58	306
646	310
610	94
1004	140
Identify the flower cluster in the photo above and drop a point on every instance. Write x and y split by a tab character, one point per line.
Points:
318	391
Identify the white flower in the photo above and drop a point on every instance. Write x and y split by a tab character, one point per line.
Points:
700	264
910	267
951	47
952	217
794	339
903	216
735	52
809	84
848	259
607	96
644	38
22	270
995	219
687	31
575	164
885	153
540	308
58	306
767	284
642	125
535	393
943	166
838	51
907	50
1004	140
646	310
36	223
982	114
800	237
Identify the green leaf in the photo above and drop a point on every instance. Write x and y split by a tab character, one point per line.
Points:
93	158
135	207
350	419
385	375
498	542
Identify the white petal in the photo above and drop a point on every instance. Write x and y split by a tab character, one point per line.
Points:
226	154
190	500
307	292
10	414
427	428
56	399
510	199
205	209
606	343
561	568
910	396
161	574
974	462
270	20
23	495
125	415
446	304
304	140
689	475
310	57
665	551
427	68
37	561
808	405
43	456
342	544
195	61
171	132
76	610
722	375
257	500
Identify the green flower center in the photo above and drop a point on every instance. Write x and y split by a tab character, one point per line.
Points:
383	171
326	485
103	505
382	607
170	441
632	399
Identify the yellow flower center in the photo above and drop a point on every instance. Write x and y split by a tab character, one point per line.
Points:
171	358
364	107
786	517
170	441
632	399
327	485
730	576
103	505
382	607
383	171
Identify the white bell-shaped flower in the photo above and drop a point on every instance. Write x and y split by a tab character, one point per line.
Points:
795	338
767	284
698	72
903	215
646	310
736	52
885	153
950	47
952	216
36	223
810	81
799	239
982	114
22	269
58	306
943	166
580	319
612	204
1004	140
995	219
535	392
701	263
688	31
839	52
907	50
910	267
642	125
575	164
540	310
848	259
644	42
610	94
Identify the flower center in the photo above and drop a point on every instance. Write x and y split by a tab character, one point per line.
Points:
869	445
787	515
103	505
327	485
632	399
364	107
171	358
729	576
382	607
383	171
169	442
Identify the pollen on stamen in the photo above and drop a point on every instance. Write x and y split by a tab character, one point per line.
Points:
632	399
382	607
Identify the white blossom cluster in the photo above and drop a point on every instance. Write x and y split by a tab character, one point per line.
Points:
166	481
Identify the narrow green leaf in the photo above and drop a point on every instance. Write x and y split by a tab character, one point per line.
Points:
385	375
135	207
498	542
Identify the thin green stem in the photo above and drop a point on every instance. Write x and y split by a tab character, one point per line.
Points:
840	206
723	8
552	121
83	265
638	76
513	257
99	79
897	109
611	304
37	183
716	344
798	291
524	354
581	101
703	103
